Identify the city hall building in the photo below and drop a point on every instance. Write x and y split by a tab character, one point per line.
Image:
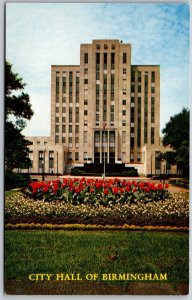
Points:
103	109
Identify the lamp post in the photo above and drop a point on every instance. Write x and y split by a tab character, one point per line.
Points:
104	124
57	163
43	175
164	172
151	165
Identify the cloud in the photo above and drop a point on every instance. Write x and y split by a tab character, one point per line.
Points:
41	34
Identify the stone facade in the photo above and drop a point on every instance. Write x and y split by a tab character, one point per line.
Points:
103	109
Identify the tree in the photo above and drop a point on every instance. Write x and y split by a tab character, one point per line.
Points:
176	134
17	104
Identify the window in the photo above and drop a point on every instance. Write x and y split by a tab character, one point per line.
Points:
70	128
97	89
124	102
132	89
70	139
70	114
64	85
41	159
64	109
153	77
105	60
112	108
85	112
139	88
57	119
85	71
98	46
85	137
97	59
123	137
138	157
112	117
124	58
124	71
132	157
86	58
124	112
97	117
63	128
97	75
152	90
57	128
132	142
139	76
112	79
76	155
112	61
77	128
31	159
57	109
56	139
152	135
85	81
152	109
63	139
123	123
124	91
70	156
51	159
132	115
85	102
105	46
132	100
132	76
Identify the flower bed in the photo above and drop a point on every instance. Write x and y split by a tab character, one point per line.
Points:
97	192
146	204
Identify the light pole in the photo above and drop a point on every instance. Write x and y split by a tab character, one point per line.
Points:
164	172
104	124
43	175
151	165
57	163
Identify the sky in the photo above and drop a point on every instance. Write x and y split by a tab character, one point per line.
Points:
39	35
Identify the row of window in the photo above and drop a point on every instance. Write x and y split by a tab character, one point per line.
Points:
112	58
133	73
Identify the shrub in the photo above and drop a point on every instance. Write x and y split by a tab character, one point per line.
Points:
180	183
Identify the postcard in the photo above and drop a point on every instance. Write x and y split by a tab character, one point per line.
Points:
97	148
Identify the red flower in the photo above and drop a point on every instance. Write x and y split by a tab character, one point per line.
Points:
166	186
127	189
115	190
160	186
106	192
91	190
141	185
77	189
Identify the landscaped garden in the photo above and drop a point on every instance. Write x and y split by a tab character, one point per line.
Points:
95	201
93	207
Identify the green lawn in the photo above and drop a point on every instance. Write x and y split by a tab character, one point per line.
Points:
28	252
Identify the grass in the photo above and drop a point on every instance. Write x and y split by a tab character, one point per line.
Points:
28	252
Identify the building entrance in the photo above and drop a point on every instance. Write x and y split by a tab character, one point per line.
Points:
104	146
